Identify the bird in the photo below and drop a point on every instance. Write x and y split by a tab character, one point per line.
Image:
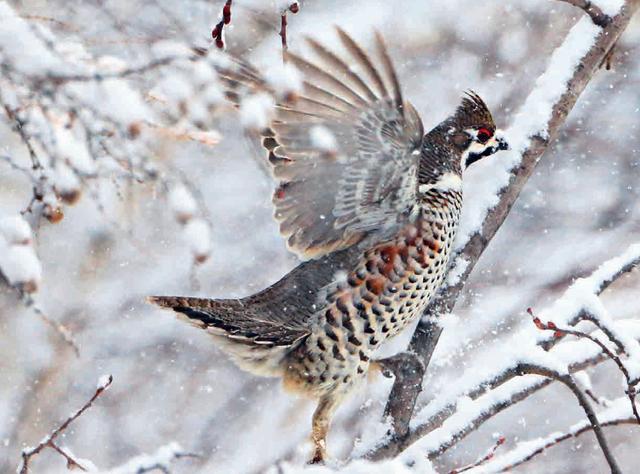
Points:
370	204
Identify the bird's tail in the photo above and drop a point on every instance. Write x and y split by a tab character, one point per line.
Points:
254	343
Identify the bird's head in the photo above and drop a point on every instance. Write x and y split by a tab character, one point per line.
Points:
469	135
472	131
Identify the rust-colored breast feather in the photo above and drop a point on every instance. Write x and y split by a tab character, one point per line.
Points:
388	289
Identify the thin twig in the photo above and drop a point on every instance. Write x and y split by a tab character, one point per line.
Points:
58	327
49	440
558	438
293	8
484	459
561	331
59	79
217	31
19	127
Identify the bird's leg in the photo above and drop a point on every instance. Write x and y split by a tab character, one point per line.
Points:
321	421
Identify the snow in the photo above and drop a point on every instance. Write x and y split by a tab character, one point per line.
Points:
255	111
15	230
609	7
73	149
20	265
619	410
65	180
18	261
323	139
410	462
160	460
182	203
285	79
197	233
523	347
21	48
531	120
120	242
456	271
104	381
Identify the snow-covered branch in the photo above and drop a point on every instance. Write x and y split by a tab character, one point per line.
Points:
161	461
594	11
488	391
616	414
570	69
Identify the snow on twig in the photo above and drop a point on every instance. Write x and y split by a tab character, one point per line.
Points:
562	331
49	441
616	414
487	457
161	460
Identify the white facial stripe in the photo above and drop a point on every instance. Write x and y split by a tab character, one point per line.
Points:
478	148
446	182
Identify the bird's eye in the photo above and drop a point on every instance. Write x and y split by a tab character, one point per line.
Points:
483	135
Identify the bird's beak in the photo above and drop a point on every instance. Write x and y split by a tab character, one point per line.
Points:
501	140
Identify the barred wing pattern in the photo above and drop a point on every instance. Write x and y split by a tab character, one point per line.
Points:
345	152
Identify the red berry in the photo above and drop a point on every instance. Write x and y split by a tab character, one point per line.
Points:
219	42
226	13
215	32
551	325
294	7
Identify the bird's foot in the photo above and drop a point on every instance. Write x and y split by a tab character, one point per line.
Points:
319	456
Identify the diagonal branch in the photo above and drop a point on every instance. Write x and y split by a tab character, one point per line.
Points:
428	331
531	449
561	331
597	15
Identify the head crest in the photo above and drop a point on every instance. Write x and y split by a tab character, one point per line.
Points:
472	111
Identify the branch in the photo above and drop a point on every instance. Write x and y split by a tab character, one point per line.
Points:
49	441
64	332
294	8
159	461
596	14
483	459
476	382
218	30
560	331
537	141
530	449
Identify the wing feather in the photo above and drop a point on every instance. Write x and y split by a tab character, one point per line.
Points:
342	151
343	155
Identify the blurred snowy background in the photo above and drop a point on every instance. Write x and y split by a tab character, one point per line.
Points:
121	240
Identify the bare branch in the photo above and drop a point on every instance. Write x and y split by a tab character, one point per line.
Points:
49	440
294	8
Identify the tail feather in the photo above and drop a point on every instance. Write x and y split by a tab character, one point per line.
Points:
255	343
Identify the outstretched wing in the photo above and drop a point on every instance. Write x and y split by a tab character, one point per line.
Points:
346	152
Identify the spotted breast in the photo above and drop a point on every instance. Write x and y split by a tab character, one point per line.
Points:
388	289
